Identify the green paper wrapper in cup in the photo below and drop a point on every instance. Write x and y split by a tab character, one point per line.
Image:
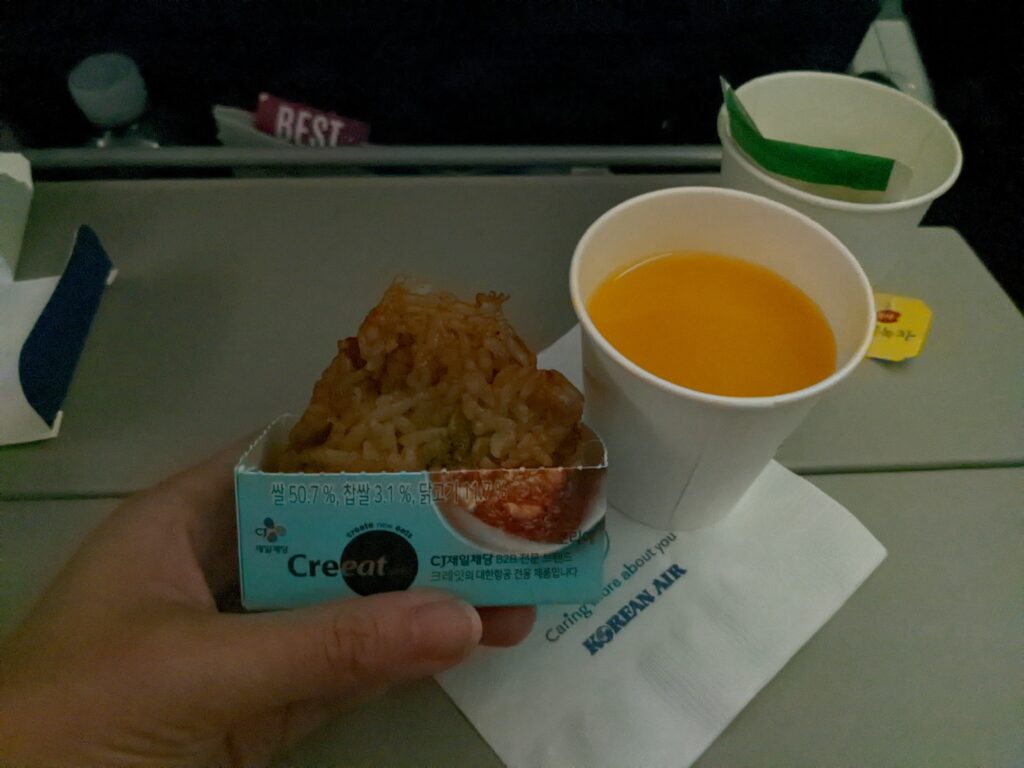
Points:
826	171
847	114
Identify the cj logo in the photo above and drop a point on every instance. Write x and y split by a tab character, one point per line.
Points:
271	532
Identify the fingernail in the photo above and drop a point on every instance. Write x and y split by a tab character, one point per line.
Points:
446	629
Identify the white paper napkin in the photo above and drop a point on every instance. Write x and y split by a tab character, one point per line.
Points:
692	625
43	326
15	201
21	305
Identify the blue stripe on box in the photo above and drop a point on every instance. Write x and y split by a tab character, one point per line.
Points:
51	351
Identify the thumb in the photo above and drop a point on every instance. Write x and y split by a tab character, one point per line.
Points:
335	651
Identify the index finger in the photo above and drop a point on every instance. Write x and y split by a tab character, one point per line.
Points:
204	498
181	528
506	626
203	485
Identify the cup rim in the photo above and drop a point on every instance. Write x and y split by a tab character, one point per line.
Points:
122	69
725	136
732	402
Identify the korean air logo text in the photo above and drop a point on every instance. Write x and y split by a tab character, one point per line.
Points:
639	603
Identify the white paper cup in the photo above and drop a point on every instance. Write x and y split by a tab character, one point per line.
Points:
842	112
679	458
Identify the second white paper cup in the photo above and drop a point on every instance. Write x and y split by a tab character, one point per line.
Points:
829	110
679	458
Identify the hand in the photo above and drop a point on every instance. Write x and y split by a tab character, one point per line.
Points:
127	661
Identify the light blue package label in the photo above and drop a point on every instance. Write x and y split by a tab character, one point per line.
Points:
306	538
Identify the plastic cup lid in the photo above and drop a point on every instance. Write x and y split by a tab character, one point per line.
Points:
108	88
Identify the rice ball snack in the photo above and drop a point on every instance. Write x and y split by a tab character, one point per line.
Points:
434	383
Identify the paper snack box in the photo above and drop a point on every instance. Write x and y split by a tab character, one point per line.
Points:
489	536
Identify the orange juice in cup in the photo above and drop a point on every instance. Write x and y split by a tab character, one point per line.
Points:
715	324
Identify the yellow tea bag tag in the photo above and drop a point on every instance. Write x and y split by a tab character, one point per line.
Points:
901	326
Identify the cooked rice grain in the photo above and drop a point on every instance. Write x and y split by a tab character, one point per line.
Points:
432	382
